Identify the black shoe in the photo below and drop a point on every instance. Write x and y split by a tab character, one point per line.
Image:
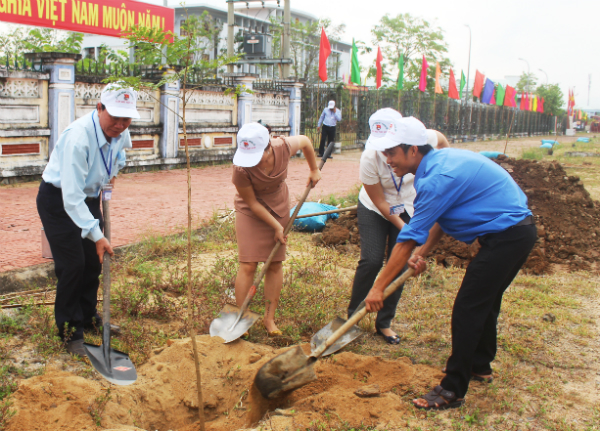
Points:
394	339
75	348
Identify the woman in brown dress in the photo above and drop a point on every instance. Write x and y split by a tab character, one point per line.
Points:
262	205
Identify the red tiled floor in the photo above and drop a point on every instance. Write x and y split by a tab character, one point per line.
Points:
153	202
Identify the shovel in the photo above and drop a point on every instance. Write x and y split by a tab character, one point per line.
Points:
232	322
293	369
113	365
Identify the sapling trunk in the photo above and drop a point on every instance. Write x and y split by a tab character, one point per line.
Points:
189	258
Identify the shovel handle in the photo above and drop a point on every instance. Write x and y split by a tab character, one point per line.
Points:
287	229
339	210
359	314
106	284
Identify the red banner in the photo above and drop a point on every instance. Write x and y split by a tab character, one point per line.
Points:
105	17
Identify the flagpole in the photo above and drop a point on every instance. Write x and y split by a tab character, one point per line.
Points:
434	94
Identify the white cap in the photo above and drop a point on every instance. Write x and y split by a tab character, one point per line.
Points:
120	102
407	130
331	104
379	123
432	138
252	140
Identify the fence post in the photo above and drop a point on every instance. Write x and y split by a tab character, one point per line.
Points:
169	117
61	90
245	80
295	90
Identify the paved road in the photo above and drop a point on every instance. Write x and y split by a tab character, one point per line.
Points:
154	202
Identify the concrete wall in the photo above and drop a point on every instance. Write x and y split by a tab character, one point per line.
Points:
24	128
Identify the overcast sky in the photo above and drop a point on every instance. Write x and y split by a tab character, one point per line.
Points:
556	36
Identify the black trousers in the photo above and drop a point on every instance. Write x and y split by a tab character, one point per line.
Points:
477	304
375	232
76	263
327	134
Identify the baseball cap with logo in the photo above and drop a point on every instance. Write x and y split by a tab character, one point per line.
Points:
120	102
331	104
379	123
407	130
252	139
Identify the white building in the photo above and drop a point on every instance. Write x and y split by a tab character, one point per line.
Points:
253	19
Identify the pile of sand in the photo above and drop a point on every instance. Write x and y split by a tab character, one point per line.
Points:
164	397
567	219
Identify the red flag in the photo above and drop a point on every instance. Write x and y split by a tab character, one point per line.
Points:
478	86
522	104
542	105
423	81
379	71
509	96
493	99
452	91
324	51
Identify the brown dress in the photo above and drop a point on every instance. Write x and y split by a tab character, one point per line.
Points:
255	238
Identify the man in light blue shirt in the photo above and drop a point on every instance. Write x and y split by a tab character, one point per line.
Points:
469	197
329	118
88	155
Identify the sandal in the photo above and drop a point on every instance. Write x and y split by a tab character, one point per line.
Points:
440	399
393	339
275	333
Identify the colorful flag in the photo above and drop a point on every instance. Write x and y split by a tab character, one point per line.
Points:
493	99
530	100
379	70
423	80
488	91
452	91
324	51
400	83
535	104
438	72
355	68
478	86
522	104
500	92
462	82
542	106
509	97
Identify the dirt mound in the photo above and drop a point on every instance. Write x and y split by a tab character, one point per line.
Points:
567	219
164	397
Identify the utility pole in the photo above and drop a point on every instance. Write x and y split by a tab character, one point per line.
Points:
287	16
589	88
230	25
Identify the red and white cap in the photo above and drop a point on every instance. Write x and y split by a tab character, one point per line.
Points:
252	139
379	123
407	130
120	102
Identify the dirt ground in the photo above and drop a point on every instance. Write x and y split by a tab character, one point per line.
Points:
164	397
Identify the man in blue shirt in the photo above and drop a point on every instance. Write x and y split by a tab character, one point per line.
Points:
329	118
468	197
87	157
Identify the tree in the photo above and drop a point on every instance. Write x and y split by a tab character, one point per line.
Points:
527	83
304	45
413	37
553	98
184	51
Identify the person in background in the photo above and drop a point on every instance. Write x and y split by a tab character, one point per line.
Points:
467	196
385	204
87	157
329	119
262	205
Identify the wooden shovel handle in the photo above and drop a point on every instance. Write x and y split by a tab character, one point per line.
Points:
359	314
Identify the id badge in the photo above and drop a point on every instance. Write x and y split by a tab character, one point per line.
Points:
397	209
107	192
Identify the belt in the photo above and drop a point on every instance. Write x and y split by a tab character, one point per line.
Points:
525	222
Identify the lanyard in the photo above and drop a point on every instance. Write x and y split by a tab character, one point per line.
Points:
398	187
108	165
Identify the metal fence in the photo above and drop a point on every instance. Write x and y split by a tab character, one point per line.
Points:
458	120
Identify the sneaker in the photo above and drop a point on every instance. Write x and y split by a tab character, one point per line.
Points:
76	348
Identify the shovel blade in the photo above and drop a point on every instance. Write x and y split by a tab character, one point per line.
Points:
121	370
322	336
285	372
223	327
